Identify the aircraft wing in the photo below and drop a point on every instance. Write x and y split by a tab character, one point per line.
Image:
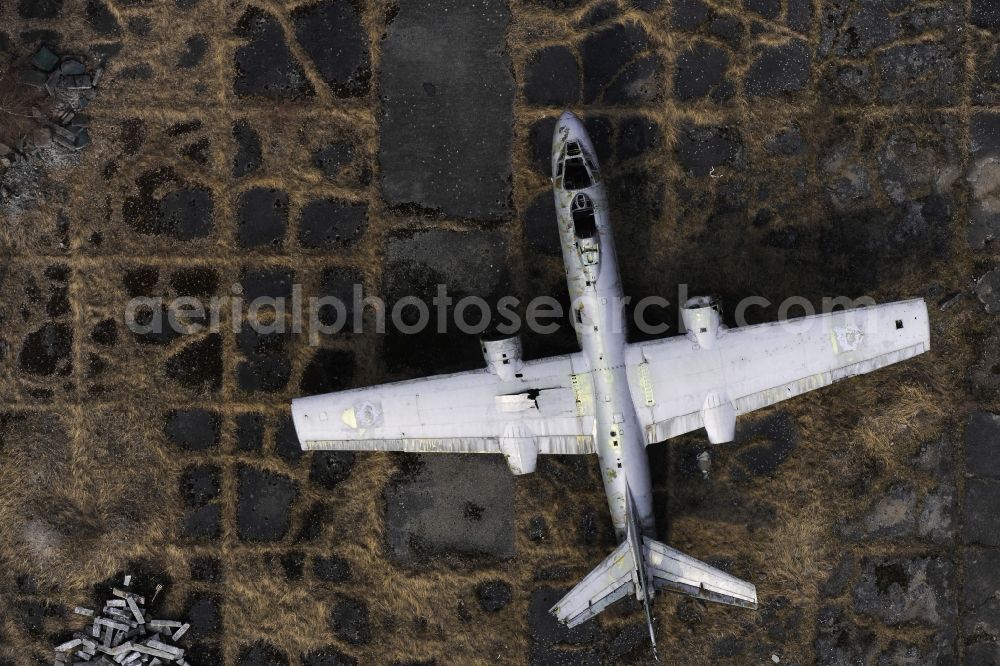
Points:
545	406
678	387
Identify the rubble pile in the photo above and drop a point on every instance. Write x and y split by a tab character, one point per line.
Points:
58	130
124	633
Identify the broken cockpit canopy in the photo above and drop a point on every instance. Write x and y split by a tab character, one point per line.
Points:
584	224
576	169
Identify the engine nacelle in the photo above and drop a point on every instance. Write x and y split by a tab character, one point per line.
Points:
702	316
503	356
719	416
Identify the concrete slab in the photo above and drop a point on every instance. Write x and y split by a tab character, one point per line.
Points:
982	608
899	590
982	445
457	504
447	96
467	264
265	503
982	504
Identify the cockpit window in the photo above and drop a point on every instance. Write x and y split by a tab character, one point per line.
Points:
575	174
577	170
582	209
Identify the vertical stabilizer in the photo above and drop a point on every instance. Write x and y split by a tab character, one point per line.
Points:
643	589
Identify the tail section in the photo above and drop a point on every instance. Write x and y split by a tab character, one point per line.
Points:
640	566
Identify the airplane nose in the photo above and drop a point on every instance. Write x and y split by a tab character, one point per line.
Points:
569	125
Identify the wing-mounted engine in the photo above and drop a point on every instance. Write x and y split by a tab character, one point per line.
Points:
719	416
519	448
503	356
702	317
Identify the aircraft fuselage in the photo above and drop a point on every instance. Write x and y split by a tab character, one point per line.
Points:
597	306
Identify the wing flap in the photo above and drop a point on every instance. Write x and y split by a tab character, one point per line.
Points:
569	445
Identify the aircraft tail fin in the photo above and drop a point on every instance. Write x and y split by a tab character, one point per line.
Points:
640	566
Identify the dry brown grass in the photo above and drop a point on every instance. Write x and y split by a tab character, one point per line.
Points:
69	516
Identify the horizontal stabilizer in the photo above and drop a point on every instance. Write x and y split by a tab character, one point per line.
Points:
666	569
670	569
610	581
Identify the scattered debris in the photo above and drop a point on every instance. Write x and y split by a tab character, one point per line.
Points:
705	463
949	300
45	135
988	291
124	633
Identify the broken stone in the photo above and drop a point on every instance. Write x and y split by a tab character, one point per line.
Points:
332	569
42	137
328	656
349	620
261	654
200	484
552	78
988	291
702	71
839	641
329	223
839	578
329	370
46	351
264	507
198	366
332	159
332	35
124	632
548	634
541	233
893	515
265	65
44	59
985	653
248	157
72	67
701	148
102	20
765	443
935	520
911	166
605	55
195	48
924	73
192	429
493	595
263	217
249	432
636	136
203	523
898	590
779	69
